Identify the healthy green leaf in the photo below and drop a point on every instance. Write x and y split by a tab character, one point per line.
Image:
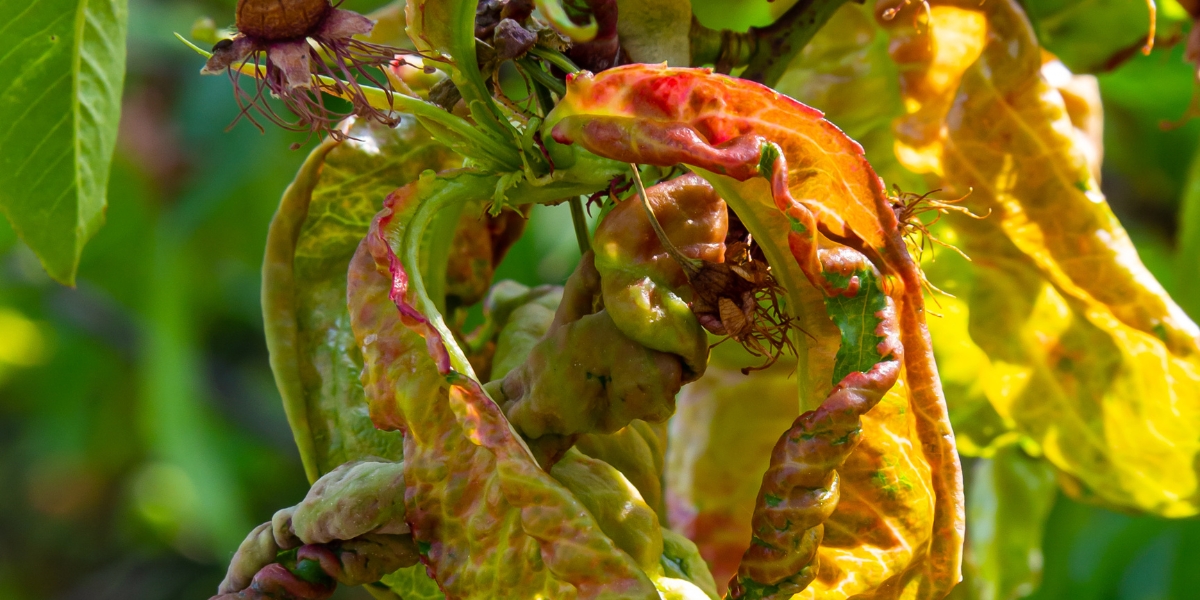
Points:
61	73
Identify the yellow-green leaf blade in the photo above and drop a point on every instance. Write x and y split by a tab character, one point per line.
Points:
61	73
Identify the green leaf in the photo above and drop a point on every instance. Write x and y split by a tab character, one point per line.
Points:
1090	35
1187	267
1008	503
857	318
61	73
321	220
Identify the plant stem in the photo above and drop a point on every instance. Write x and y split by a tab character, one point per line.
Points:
383	100
555	58
767	51
580	221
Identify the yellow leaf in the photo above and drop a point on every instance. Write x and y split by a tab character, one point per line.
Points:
1088	355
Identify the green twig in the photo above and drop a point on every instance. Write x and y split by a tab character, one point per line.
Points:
384	100
580	221
555	58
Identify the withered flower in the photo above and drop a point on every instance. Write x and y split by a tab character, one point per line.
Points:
300	39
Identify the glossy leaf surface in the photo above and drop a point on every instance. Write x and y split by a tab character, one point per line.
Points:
323	216
60	91
463	460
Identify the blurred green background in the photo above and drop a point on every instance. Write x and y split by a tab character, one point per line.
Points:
141	435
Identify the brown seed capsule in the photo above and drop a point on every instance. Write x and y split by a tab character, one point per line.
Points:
275	20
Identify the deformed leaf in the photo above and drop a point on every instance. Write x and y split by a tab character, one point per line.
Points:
321	219
710	487
1088	355
645	289
733	132
845	71
61	76
875	542
490	520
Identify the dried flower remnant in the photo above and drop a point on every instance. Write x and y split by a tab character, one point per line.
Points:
737	297
300	39
909	207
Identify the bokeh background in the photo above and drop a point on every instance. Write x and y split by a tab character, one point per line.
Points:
141	435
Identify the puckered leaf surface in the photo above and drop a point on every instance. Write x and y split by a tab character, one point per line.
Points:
733	131
491	521
323	216
1088	355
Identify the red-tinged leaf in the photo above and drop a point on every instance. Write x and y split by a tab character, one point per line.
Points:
313	235
492	522
664	116
1087	355
735	130
875	544
644	288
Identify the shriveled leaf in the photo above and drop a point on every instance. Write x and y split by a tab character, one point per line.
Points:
463	461
61	77
321	219
1089	356
734	131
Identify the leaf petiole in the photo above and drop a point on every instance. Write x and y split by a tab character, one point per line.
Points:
555	58
382	99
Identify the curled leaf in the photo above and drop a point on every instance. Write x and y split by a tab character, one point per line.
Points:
645	289
1088	356
322	217
350	529
462	457
733	131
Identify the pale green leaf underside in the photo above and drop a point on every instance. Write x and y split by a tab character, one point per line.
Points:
62	65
